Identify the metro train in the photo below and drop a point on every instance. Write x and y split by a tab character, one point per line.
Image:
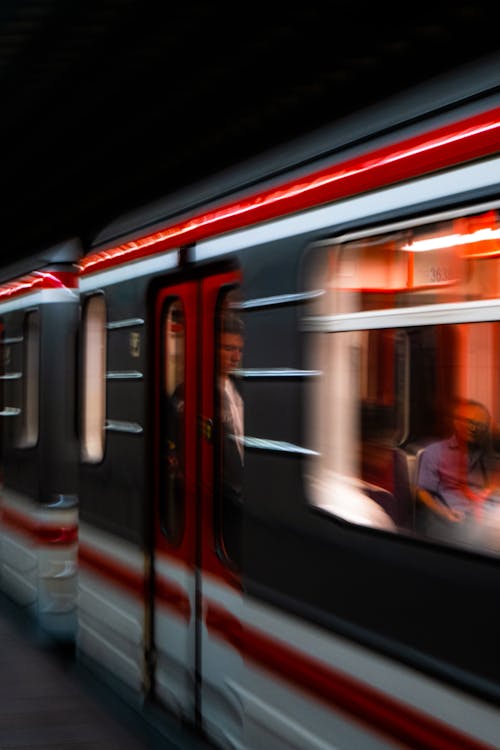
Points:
313	610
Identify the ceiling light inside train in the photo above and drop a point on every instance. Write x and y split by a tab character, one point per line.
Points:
452	240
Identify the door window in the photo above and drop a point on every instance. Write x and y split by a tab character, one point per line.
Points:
172	506
229	338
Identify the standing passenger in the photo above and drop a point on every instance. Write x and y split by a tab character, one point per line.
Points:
231	411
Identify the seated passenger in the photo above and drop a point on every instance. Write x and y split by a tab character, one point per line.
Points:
455	480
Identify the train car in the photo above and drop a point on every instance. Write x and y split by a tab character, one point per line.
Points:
266	363
39	313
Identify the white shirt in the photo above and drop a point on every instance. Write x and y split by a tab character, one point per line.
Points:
234	405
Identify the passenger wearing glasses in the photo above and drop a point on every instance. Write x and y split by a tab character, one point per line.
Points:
456	484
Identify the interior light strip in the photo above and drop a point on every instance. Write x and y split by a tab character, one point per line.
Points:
452	240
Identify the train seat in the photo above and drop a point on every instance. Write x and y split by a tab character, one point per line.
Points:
404	467
406	464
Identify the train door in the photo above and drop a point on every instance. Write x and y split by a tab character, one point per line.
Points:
196	585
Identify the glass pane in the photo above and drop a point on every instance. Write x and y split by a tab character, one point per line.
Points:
230	342
406	425
386	417
30	415
4	363
94	379
457	479
172	499
358	419
436	263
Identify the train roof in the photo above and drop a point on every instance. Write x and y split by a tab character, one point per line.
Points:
438	97
67	252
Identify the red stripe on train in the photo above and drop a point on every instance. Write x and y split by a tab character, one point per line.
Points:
471	138
41	533
112	570
171	595
37	281
372	708
167	593
369	706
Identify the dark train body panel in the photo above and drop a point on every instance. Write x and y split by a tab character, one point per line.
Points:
40	322
276	583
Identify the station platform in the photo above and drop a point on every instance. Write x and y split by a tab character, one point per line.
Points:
49	702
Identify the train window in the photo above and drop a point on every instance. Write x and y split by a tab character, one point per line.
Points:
229	403
444	262
404	421
359	419
172	504
31	349
94	379
4	352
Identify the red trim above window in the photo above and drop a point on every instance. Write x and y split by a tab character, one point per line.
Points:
472	138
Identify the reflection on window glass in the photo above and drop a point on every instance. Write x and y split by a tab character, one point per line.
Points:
230	341
94	379
29	411
405	421
172	499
